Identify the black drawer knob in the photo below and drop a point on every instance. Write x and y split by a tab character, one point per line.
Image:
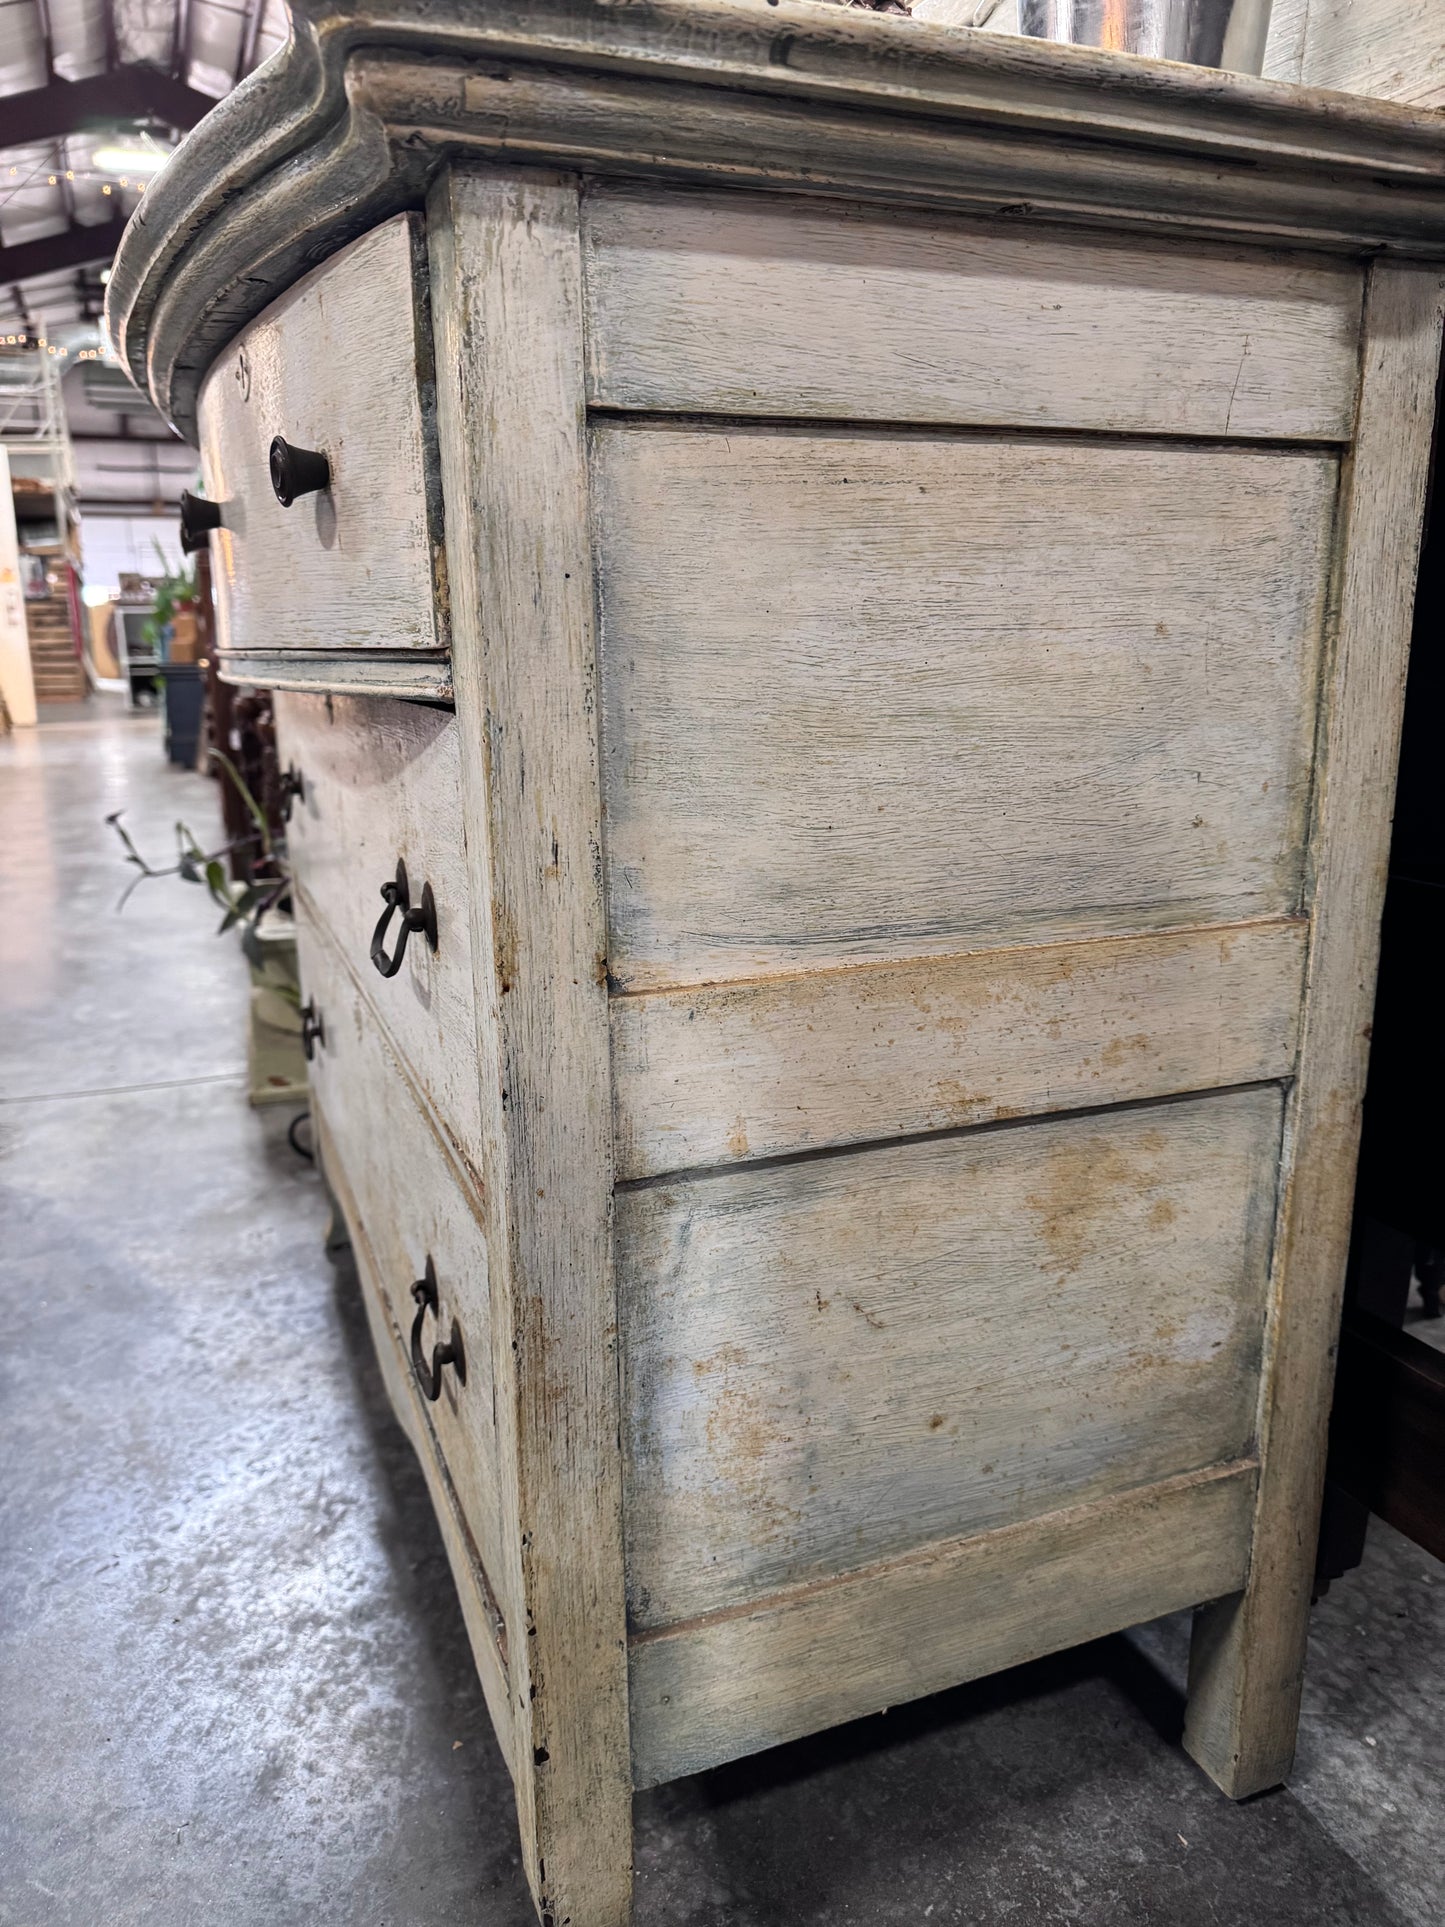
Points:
297	471
198	518
420	916
292	789
429	1376
313	1031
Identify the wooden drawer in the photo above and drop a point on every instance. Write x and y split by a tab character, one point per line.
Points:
381	782
413	1204
345	589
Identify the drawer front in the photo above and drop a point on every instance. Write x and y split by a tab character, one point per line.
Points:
381	783
345	587
834	1362
414	1205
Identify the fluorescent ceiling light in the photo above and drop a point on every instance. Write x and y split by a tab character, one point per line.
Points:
130	160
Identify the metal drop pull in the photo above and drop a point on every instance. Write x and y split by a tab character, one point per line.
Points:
421	916
198	518
297	471
429	1376
313	1031
291	790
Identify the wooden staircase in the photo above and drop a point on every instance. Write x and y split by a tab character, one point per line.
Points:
54	656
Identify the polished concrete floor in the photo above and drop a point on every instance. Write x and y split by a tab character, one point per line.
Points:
234	1685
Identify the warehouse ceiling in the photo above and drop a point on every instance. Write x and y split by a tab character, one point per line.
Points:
93	93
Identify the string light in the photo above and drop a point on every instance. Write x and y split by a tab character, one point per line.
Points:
135	160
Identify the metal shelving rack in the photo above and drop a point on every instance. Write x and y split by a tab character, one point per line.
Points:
36	435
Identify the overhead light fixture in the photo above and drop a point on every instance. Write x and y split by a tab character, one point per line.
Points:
130	160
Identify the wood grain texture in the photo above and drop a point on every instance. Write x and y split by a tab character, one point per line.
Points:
743	304
786	1064
731	1685
1248	1653
341	363
507	270
1285	44
1388	49
1000	17
382	782
486	1626
413	1203
829	1362
879	695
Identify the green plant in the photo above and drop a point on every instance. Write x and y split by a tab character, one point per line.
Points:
175	587
242	904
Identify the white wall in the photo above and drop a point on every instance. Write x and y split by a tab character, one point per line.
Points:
110	544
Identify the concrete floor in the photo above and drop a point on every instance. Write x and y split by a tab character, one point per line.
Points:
234	1685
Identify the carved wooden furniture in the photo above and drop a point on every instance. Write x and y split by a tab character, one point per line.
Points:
842	592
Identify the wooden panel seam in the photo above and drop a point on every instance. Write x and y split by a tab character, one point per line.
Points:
927	427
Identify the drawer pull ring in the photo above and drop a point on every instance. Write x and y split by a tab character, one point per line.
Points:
297	471
198	518
422	916
292	790
313	1031
429	1377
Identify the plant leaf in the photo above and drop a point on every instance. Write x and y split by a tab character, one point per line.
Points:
238	782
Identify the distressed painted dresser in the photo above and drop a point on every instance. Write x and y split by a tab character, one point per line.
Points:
841	591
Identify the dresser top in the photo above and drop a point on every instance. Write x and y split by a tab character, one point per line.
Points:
350	121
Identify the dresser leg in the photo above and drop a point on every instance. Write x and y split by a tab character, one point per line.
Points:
1239	1726
336	1238
573	1883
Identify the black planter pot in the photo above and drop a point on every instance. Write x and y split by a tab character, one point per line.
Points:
185	693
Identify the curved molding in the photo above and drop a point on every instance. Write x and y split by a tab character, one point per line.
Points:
349	122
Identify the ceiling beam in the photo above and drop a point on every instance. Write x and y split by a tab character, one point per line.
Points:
127	93
27	320
74	247
47	36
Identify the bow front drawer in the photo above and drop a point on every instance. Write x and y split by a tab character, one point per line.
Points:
320	458
421	1251
376	804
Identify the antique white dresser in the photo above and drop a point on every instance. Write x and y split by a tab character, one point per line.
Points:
841	591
